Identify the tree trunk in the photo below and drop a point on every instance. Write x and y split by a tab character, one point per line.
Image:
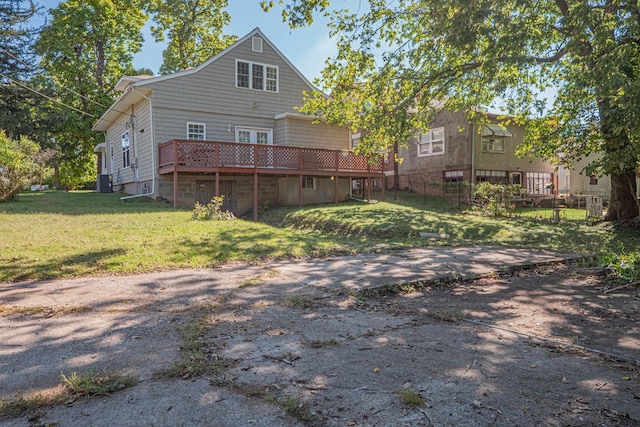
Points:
623	203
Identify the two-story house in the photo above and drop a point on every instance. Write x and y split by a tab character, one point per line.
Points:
454	150
227	127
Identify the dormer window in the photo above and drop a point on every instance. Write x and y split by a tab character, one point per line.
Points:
253	75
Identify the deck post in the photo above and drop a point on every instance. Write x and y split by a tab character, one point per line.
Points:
255	196
369	188
300	190
384	184
217	183
335	189
175	174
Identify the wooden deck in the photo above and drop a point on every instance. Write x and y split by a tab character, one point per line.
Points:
213	157
231	157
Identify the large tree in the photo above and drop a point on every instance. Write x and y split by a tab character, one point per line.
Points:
17	64
194	29
85	49
400	61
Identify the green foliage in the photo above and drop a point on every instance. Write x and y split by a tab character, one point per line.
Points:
623	266
211	211
85	48
410	397
497	199
400	62
18	165
194	29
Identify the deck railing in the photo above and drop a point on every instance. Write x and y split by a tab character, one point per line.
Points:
202	156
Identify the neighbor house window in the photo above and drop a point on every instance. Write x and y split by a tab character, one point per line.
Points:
431	143
494	177
126	150
196	131
355	140
309	182
256	44
452	180
493	144
593	180
537	182
257	76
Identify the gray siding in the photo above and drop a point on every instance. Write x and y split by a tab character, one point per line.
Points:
302	132
210	96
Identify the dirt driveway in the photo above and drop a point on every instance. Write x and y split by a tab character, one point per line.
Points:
536	347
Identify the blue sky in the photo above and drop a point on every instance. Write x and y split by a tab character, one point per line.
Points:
306	48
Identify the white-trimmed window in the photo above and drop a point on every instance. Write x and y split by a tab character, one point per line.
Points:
493	144
197	131
355	140
254	135
309	182
431	143
256	44
126	150
494	177
253	75
452	181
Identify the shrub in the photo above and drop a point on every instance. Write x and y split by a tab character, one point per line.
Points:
18	165
497	199
212	210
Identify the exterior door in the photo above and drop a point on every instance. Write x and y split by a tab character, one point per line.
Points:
261	137
206	190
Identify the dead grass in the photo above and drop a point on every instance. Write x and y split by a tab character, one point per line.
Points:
41	310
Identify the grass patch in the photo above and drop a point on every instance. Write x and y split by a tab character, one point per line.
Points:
56	234
41	310
294	408
72	387
195	359
410	397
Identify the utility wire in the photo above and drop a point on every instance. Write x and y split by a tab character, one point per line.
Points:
46	96
49	78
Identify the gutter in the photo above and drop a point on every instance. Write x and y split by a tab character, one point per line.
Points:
153	151
472	179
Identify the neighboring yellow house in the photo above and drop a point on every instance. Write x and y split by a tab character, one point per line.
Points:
454	150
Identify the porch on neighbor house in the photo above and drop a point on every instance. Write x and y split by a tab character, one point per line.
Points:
214	157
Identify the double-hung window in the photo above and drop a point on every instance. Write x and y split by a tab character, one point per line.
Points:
431	143
126	150
197	131
253	75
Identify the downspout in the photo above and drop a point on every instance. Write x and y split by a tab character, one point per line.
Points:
472	179
153	150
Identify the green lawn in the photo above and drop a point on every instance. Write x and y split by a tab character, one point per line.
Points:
57	234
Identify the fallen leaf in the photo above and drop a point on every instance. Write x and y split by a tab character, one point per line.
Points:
376	370
534	366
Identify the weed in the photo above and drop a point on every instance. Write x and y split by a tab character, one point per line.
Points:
194	359
323	343
299	301
212	210
448	315
624	266
94	383
71	388
410	397
296	409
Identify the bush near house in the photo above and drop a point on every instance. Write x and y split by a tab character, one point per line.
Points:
497	199
18	165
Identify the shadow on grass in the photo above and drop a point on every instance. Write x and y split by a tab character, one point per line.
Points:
19	269
79	203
